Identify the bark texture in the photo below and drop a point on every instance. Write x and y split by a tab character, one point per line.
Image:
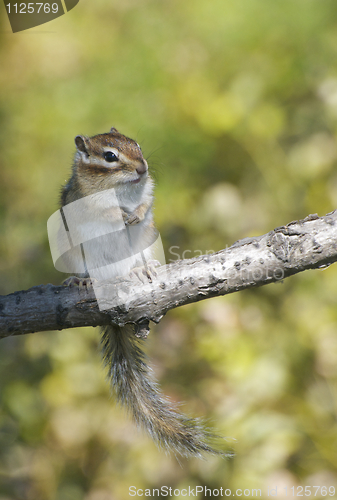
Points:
300	245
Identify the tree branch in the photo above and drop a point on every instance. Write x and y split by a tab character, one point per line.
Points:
287	250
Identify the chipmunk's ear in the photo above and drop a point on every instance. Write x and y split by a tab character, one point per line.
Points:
113	129
80	141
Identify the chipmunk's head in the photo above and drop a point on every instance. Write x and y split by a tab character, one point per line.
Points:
106	160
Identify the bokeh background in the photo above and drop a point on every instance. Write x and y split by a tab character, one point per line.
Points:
235	106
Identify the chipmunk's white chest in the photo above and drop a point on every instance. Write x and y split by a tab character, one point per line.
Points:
96	223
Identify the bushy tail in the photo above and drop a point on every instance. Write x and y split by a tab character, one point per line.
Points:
139	393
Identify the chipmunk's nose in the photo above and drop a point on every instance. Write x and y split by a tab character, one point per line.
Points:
142	168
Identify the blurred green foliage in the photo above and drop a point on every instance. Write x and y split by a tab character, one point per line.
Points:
235	106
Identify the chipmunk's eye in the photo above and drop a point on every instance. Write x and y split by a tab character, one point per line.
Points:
110	156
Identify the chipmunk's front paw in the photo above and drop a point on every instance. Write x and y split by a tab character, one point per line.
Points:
131	220
79	282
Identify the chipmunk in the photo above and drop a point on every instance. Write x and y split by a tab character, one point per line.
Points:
113	161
